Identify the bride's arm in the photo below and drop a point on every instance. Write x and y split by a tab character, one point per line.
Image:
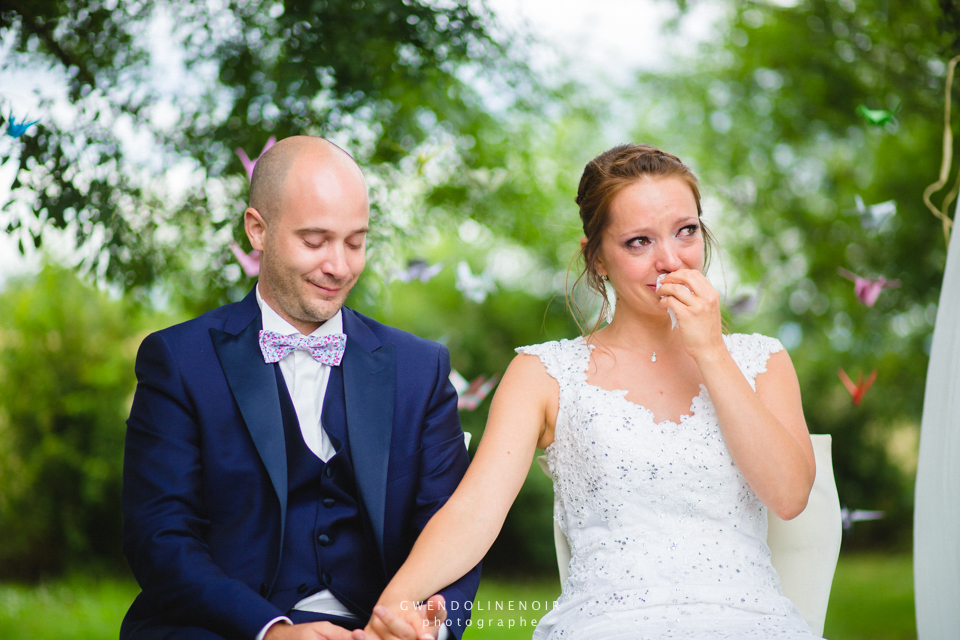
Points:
522	417
764	430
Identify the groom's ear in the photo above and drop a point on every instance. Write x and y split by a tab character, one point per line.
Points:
255	227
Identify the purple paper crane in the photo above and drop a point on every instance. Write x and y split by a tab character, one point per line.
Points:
418	269
848	517
15	130
249	164
249	262
868	290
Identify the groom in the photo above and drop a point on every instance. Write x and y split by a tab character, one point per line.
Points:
284	452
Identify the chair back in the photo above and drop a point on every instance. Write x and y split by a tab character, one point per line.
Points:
804	550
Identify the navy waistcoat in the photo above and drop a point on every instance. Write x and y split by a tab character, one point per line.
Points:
328	542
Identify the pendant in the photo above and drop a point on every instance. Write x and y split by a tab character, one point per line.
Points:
653	358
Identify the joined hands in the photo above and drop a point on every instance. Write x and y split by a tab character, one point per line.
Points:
410	623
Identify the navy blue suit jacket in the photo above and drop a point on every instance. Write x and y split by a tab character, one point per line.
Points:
205	468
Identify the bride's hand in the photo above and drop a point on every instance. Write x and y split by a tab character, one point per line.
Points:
408	623
697	305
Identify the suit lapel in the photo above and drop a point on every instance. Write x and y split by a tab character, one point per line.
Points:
254	387
369	386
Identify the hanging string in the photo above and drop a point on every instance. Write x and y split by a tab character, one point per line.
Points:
945	163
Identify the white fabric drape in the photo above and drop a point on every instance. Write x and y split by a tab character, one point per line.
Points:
936	522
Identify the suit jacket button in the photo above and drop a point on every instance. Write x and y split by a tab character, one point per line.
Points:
302	588
329	502
263	589
327	578
328	471
323	539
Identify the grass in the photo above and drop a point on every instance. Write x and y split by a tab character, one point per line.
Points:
872	598
77	608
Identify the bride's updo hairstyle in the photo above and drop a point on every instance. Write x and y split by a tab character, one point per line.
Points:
603	178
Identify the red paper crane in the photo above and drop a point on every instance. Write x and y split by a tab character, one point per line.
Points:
868	290
858	390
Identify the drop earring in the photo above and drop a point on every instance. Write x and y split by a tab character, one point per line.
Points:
611	296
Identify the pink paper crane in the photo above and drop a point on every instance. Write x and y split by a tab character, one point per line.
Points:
479	389
249	262
868	290
472	394
249	164
858	390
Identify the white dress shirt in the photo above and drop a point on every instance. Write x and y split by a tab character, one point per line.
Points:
307	381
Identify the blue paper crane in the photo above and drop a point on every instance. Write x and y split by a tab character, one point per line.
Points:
15	130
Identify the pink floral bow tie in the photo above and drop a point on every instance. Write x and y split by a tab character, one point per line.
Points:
327	349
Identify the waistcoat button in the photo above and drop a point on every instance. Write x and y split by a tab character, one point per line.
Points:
323	539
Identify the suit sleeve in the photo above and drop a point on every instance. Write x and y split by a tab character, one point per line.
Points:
163	510
444	460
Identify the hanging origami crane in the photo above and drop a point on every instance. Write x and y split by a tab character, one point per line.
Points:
868	290
878	117
874	215
15	130
858	390
418	269
249	262
474	287
473	393
746	303
249	164
847	517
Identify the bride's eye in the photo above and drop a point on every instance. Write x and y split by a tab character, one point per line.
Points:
689	230
639	241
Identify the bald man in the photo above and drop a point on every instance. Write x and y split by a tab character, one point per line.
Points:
284	452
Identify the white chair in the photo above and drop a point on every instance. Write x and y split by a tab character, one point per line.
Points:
804	550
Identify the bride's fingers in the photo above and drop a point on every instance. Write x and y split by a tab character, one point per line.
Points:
395	624
690	278
679	291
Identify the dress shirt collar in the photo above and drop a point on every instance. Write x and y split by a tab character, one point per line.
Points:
273	322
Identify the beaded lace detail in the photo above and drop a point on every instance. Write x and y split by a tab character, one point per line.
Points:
667	539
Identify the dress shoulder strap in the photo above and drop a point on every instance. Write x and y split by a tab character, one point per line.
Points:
565	360
751	352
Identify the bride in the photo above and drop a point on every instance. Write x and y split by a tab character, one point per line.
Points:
667	445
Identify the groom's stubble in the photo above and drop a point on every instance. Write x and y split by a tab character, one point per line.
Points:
312	201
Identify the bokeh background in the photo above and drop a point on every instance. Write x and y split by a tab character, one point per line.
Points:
814	125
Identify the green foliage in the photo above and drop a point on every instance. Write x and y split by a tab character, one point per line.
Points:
770	121
66	362
384	78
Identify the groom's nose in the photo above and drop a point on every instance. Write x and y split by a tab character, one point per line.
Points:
335	263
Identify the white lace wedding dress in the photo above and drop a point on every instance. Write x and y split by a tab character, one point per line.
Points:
667	540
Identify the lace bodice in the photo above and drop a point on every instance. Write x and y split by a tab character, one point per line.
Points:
657	514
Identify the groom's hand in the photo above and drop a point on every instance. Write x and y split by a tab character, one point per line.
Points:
420	623
311	631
